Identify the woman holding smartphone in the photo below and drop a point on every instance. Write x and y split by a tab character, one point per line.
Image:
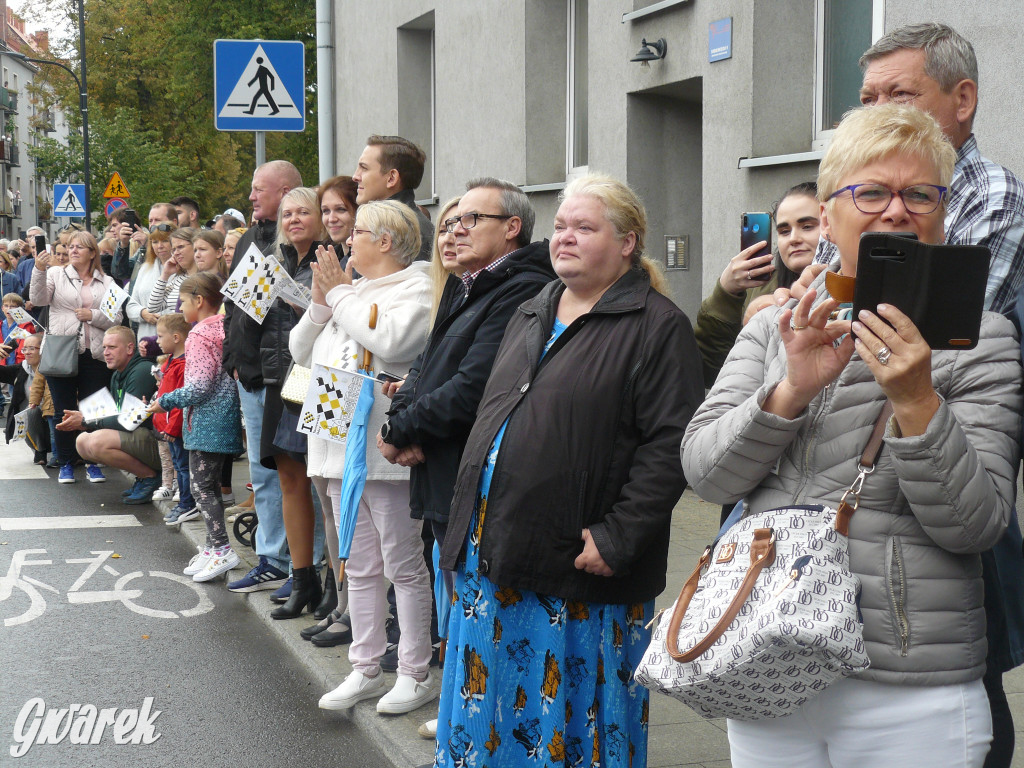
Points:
749	276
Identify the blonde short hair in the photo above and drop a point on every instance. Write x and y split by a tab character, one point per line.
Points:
127	335
869	134
397	221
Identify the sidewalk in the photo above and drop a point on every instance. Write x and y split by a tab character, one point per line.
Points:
678	737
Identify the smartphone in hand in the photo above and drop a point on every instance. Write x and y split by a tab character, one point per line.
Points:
755	227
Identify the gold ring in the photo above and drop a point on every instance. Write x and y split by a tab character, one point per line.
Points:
796	327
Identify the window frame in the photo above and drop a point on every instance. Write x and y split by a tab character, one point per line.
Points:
821	137
571	170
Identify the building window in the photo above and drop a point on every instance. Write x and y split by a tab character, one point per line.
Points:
416	96
576	78
844	30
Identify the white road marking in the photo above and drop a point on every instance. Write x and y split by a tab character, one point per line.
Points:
16	462
78	521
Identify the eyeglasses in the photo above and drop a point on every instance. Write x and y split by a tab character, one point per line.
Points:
469	220
875	198
361	231
161	228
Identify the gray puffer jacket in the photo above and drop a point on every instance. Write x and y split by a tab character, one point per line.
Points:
933	503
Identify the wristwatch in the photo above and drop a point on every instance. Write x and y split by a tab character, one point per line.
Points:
385	432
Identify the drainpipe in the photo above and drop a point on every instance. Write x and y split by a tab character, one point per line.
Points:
325	86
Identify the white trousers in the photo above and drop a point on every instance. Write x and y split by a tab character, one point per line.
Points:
387	543
859	723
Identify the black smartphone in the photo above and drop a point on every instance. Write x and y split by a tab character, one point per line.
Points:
941	288
40	244
755	227
388	377
131	217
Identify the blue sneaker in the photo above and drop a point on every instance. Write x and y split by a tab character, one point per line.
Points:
67	474
283	592
134	487
263	576
145	488
95	474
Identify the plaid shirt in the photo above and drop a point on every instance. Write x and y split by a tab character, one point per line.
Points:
985	207
469	278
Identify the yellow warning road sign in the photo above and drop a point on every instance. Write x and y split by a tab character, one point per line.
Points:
116	187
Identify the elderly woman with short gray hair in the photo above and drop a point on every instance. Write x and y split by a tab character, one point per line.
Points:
385	312
787	421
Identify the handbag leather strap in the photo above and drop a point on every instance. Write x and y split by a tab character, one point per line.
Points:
762	553
866	467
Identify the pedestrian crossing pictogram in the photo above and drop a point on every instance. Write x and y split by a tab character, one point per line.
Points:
259	85
69	199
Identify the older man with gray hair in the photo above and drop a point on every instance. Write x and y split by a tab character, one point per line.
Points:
932	67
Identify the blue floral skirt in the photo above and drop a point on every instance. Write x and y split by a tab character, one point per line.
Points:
537	680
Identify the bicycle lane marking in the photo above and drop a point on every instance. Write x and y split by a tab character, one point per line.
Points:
120	593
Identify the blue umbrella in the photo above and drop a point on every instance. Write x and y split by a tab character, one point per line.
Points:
354	475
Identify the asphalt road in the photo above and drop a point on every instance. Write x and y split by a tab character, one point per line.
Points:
119	629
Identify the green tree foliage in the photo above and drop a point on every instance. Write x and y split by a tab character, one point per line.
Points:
150	82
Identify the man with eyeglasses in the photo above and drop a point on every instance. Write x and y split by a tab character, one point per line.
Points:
434	409
122	268
390	168
933	68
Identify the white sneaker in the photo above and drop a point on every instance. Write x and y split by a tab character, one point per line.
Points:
163	493
198	562
407	695
227	499
356	687
176	496
428	730
222	561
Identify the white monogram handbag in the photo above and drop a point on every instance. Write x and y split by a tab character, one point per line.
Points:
770	617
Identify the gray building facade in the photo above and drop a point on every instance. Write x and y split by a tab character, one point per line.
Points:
536	91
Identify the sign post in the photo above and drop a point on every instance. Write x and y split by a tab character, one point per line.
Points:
259	86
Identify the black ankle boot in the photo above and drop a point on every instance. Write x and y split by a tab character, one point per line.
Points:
306	593
330	599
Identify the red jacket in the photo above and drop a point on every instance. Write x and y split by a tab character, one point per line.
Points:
174	376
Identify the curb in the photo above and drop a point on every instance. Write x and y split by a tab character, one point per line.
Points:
395	735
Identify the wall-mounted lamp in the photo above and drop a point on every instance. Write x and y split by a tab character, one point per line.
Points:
645	55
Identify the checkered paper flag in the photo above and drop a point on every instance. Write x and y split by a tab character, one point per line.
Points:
20	425
20	316
133	412
251	286
331	403
17	333
112	300
98	405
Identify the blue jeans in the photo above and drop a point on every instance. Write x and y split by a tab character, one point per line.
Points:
52	421
319	531
179	456
271	541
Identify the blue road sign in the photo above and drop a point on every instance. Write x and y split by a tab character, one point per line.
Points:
69	199
259	85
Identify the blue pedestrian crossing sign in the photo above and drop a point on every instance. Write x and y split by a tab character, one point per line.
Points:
68	199
259	85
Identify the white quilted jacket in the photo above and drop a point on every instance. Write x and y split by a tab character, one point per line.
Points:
932	504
